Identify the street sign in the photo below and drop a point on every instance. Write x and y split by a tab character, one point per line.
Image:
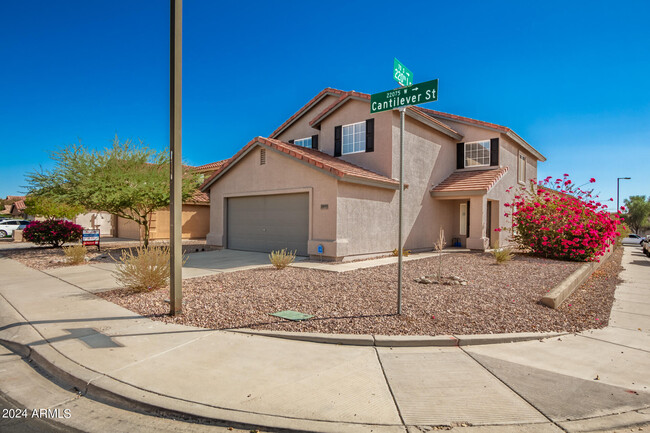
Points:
402	74
416	94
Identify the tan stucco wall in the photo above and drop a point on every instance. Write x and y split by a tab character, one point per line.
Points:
355	111
195	217
362	219
280	175
97	220
300	128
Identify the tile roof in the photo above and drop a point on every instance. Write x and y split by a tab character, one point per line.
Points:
20	205
501	128
211	166
326	91
471	180
198	197
345	96
465	119
15	197
337	167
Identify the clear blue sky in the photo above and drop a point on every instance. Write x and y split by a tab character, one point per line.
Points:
572	78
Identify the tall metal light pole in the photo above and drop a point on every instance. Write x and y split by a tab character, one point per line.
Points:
618	180
176	168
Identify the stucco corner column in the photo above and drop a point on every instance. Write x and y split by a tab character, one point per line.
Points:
477	239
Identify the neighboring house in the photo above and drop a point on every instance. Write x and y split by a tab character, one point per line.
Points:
103	221
327	178
17	209
195	214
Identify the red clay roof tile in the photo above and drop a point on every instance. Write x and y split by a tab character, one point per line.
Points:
472	180
306	107
338	167
211	166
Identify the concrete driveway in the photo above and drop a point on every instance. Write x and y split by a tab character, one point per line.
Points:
214	262
98	277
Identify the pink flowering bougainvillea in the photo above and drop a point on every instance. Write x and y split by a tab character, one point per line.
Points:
559	220
52	232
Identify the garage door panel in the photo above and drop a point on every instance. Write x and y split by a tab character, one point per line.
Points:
270	222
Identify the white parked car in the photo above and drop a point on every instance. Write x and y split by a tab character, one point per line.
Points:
632	239
7	227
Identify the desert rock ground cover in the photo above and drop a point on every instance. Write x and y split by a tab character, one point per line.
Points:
497	298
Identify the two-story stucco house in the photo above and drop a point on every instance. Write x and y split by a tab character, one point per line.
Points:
327	177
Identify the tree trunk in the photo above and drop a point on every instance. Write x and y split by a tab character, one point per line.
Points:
145	225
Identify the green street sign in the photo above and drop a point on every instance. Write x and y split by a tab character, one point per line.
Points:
420	93
402	74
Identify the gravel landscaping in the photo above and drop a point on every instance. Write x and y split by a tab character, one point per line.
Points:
496	299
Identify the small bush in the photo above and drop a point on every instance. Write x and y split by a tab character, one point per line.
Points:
146	269
283	258
405	253
502	255
75	254
52	232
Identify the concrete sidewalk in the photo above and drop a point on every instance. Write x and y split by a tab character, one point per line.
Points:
594	380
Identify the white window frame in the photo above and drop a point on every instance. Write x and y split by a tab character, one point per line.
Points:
301	142
489	153
354	133
522	161
463	219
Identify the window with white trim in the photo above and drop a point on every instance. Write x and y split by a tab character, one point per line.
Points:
303	142
354	138
521	168
477	153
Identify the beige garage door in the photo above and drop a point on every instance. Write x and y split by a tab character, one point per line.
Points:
268	222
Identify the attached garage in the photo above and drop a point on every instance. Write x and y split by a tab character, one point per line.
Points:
268	222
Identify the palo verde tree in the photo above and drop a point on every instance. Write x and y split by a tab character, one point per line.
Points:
127	180
51	209
638	209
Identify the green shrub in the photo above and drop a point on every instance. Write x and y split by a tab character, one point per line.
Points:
502	255
283	258
147	268
75	254
53	232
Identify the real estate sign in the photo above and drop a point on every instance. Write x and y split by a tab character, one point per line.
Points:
402	74
416	94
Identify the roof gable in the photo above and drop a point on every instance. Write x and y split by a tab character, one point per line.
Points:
328	91
336	167
492	126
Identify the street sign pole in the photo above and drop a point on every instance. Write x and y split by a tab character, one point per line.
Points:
401	209
400	99
176	168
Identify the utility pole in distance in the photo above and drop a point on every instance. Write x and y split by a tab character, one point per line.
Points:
176	168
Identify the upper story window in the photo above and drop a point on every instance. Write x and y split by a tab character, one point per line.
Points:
354	138
521	169
304	142
477	153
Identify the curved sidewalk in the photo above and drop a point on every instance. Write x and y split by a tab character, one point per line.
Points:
593	380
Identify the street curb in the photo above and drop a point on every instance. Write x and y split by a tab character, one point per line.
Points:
556	296
106	389
403	340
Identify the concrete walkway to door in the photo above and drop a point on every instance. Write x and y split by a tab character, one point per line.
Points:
96	277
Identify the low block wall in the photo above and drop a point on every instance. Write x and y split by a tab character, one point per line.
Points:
563	290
